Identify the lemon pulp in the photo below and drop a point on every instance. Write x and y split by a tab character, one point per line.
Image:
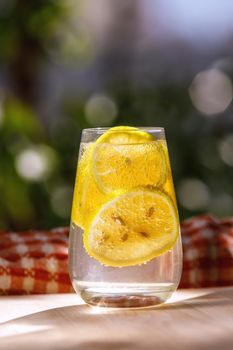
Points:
125	159
87	198
132	229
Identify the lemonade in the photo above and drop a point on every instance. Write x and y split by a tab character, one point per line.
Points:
125	246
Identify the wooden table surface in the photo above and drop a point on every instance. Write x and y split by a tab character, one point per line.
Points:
193	319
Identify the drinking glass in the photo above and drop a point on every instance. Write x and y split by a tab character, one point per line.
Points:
124	246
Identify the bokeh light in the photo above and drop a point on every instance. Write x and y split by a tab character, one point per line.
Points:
6	5
211	91
221	205
225	148
106	63
70	44
193	194
1	114
100	110
61	200
209	155
35	163
1	109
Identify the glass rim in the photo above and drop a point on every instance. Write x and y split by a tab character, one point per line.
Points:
141	128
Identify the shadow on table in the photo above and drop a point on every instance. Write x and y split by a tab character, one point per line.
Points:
213	298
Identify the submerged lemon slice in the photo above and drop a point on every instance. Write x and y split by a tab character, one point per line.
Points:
132	229
87	198
168	186
125	135
125	158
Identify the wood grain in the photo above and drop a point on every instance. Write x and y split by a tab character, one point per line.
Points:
200	322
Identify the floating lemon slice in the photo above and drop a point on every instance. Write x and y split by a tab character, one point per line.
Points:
125	135
125	158
87	197
133	229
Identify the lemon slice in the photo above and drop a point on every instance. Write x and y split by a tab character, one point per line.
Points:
133	229
87	198
125	158
125	135
168	186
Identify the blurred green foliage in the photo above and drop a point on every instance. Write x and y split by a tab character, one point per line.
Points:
23	20
42	198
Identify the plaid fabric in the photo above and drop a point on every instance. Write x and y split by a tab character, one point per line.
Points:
208	252
36	262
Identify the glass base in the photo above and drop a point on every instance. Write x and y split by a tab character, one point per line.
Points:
116	295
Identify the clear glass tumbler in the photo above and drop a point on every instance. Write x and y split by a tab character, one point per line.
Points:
125	247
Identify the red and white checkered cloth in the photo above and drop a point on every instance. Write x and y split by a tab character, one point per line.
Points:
36	262
208	252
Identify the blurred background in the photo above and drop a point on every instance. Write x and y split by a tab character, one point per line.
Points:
67	65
